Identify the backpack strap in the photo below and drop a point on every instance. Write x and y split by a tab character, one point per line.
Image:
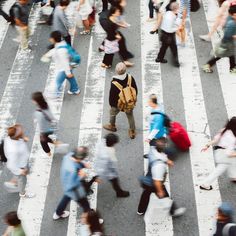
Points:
129	80
45	115
226	229
120	87
157	113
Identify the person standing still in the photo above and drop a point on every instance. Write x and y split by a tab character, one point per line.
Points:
21	16
121	79
170	24
60	20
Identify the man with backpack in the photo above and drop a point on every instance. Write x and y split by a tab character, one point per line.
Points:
19	14
62	58
123	97
154	181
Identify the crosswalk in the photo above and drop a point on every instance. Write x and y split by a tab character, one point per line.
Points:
182	93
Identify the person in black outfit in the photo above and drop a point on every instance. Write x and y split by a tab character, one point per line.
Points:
107	21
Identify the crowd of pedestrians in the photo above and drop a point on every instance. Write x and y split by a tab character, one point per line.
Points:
171	17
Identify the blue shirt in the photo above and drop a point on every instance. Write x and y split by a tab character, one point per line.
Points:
156	126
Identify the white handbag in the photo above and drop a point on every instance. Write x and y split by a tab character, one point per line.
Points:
47	10
111	47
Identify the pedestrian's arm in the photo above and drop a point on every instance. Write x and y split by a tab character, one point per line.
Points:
159	188
8	231
232	154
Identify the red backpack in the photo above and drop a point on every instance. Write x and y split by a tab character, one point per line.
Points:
179	136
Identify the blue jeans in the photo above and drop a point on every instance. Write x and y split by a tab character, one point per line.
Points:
61	76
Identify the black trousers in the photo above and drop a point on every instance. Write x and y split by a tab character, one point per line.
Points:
4	15
168	40
116	185
144	200
151	8
105	4
213	61
124	53
44	140
64	202
107	59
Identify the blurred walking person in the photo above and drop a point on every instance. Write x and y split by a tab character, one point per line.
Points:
224	146
14	225
17	154
106	163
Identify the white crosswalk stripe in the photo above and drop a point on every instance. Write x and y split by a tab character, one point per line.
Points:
90	129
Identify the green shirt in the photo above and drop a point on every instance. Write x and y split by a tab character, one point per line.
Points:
18	231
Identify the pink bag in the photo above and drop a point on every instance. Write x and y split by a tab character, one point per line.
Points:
111	47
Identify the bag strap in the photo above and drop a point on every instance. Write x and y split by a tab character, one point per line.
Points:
120	87
45	115
129	80
226	229
157	113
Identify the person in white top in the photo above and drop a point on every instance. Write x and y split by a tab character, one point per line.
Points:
220	21
170	24
61	58
224	146
17	155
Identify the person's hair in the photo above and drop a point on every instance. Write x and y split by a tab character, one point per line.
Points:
39	99
80	152
221	2
113	9
15	132
160	148
56	35
174	6
232	9
111	139
120	68
153	98
12	219
64	3
230	125
93	222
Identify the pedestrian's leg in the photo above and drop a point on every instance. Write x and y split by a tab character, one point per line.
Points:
123	51
44	139
107	60
86	25
104	5
162	51
84	204
131	121
61	76
113	113
232	62
151	9
218	171
21	179
74	87
174	51
116	185
144	200
23	38
62	205
213	61
173	205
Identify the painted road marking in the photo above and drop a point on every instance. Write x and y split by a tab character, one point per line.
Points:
227	80
152	83
31	210
197	125
19	75
4	25
90	130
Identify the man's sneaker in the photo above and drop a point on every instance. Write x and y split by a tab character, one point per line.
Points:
140	213
205	38
64	215
161	61
179	212
110	127
132	134
75	93
123	194
27	195
207	69
233	70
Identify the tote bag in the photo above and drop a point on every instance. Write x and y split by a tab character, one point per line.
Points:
111	47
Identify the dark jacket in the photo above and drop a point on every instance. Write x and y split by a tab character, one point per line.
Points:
114	91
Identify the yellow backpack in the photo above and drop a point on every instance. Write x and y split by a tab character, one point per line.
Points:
127	96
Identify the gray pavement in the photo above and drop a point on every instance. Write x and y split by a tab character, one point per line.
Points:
119	214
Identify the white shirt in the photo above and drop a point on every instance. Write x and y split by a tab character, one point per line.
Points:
227	141
60	57
170	23
17	154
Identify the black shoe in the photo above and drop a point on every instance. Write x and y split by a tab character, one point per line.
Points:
176	64
161	61
123	194
145	156
154	31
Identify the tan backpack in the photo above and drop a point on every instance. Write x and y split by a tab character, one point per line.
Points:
127	96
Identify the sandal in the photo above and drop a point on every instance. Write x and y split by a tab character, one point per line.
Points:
105	66
207	69
204	188
85	32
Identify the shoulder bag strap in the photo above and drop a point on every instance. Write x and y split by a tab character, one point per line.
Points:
45	115
120	87
129	80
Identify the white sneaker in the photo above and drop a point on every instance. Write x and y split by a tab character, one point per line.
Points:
17	40
179	212
140	213
71	93
64	215
205	38
27	195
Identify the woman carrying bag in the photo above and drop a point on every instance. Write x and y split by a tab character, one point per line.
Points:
224	146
